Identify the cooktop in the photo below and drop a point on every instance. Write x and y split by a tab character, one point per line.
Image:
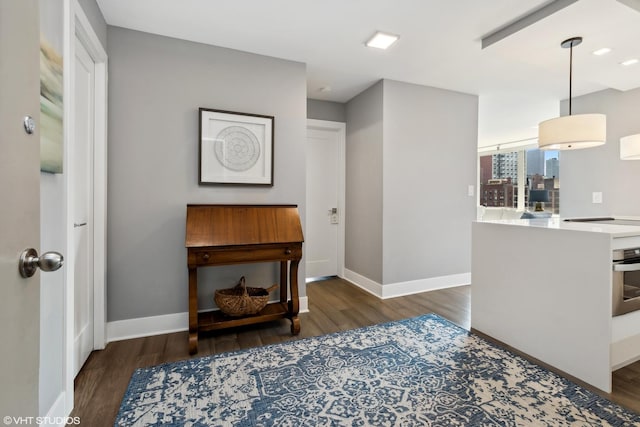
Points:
606	220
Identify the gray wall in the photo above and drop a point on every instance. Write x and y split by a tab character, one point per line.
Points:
600	168
430	141
156	85
326	110
96	19
411	155
363	225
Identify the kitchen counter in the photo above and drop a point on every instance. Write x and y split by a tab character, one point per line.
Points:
614	230
543	286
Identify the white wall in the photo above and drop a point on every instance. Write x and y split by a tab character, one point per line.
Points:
52	238
600	168
511	117
156	85
430	140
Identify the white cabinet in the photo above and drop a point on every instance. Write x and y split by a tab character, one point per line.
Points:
544	288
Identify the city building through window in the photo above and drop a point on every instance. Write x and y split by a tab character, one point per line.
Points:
507	177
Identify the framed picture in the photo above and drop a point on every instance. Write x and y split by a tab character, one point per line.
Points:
235	148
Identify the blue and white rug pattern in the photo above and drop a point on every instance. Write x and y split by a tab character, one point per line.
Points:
423	371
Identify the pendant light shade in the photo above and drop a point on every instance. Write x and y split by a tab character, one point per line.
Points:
572	132
630	147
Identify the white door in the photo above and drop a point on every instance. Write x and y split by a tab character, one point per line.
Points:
19	207
82	155
324	209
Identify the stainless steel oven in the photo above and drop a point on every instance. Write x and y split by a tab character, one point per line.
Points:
626	281
626	269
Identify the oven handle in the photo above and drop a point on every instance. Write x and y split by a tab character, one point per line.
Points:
626	267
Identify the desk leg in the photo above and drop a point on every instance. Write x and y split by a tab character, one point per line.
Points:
294	303
193	310
283	281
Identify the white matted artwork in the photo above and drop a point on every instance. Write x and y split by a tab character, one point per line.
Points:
235	148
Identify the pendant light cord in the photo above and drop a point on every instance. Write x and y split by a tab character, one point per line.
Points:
570	43
570	74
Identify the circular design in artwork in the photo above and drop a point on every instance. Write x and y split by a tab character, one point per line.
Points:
237	148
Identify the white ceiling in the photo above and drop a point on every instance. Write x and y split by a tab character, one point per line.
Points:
519	79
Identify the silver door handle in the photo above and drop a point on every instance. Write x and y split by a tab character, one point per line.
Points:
30	261
76	225
626	267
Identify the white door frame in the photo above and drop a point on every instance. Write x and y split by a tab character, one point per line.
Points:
340	129
77	25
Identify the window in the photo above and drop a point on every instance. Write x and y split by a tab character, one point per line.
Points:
499	178
543	173
506	178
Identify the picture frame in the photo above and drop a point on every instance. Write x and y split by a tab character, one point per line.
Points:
235	148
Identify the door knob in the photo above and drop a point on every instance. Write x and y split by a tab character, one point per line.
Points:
30	261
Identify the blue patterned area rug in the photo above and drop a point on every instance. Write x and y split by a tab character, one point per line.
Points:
423	371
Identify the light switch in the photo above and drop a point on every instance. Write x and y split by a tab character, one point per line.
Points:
596	197
470	191
333	216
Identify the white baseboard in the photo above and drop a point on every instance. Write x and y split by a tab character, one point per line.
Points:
423	285
364	283
158	325
393	290
304	304
56	415
147	326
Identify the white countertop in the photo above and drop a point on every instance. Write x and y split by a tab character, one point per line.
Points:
613	230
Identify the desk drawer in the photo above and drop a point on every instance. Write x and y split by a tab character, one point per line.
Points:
220	256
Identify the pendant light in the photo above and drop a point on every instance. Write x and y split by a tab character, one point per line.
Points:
630	147
572	132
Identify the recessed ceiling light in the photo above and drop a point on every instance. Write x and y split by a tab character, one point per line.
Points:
630	61
382	40
602	51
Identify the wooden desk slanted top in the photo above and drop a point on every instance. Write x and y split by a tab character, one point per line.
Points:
239	234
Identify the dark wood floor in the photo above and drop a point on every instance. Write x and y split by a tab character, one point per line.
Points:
334	305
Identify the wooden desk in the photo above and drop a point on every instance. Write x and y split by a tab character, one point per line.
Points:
239	234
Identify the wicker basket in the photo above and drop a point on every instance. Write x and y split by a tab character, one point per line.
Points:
242	300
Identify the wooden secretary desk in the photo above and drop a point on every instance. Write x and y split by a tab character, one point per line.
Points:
239	234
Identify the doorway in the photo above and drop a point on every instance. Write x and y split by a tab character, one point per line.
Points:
325	203
78	30
86	187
